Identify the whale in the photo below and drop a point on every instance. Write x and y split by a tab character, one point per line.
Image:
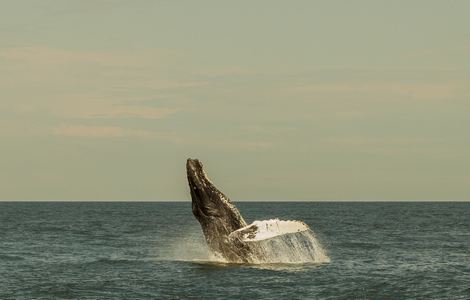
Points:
226	233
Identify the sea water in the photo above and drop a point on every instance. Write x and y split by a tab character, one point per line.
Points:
156	250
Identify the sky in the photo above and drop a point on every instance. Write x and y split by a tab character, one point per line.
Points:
281	100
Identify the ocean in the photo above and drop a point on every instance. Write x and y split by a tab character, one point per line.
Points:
155	250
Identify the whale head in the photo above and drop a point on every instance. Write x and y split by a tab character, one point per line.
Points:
214	211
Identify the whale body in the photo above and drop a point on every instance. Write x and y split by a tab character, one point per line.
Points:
227	234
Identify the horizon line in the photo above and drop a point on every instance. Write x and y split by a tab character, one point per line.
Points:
247	200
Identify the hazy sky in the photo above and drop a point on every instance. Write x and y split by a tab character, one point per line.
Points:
281	100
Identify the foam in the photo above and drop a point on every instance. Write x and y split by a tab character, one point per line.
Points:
280	241
297	248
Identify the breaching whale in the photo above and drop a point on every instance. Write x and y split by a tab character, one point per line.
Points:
225	231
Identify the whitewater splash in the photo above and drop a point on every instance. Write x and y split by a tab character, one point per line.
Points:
300	247
278	241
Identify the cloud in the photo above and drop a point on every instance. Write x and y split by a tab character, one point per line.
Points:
110	111
437	90
100	132
244	145
82	84
116	132
136	112
41	55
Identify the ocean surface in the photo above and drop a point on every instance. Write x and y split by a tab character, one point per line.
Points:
117	250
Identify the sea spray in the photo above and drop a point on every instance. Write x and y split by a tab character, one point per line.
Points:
189	245
300	247
281	241
290	248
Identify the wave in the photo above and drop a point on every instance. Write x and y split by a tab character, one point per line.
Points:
11	257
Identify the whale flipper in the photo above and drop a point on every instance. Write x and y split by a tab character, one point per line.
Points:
267	229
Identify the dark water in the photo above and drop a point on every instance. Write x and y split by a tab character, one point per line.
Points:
154	250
